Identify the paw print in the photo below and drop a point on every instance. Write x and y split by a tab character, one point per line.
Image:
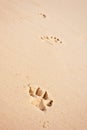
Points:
40	98
52	40
43	15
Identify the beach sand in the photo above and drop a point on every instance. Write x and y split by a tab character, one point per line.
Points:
43	44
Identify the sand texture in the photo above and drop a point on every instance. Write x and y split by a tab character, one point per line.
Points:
43	65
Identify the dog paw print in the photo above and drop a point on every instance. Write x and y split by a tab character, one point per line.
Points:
40	98
51	40
45	124
43	15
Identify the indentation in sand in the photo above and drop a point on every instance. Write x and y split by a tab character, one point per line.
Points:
45	124
39	98
51	40
43	15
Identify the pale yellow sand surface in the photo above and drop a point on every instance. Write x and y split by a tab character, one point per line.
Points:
59	69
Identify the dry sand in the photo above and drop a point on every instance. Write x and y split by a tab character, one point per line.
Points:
30	54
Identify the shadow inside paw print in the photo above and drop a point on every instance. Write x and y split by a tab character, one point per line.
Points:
39	98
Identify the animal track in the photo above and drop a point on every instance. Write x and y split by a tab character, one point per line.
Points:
44	16
39	98
45	124
51	40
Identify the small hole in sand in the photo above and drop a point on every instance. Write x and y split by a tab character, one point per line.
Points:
45	96
49	104
39	92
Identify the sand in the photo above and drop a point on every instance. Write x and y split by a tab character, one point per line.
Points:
31	54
